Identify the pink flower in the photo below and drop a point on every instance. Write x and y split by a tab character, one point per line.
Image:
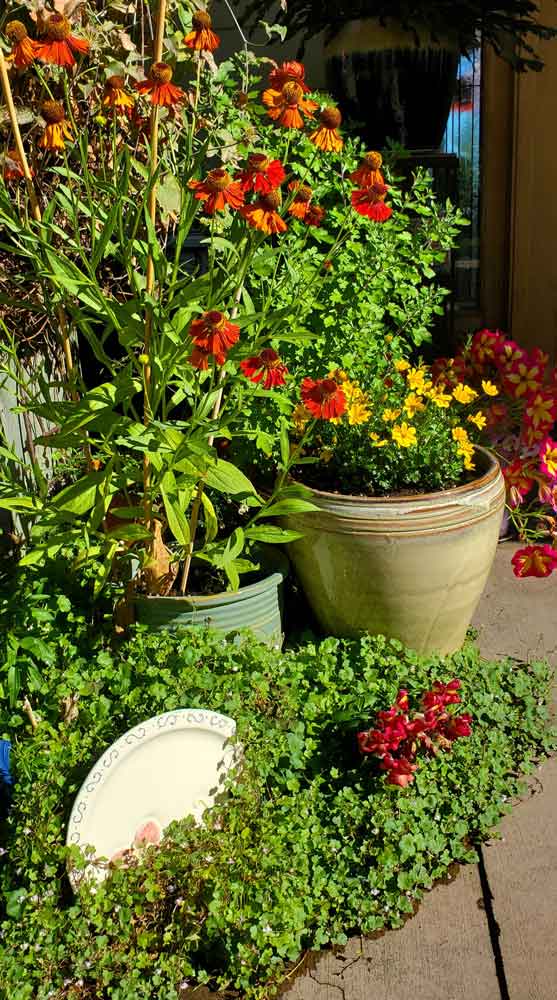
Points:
523	377
485	347
548	458
534	560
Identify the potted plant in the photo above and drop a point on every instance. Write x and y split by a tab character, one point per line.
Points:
393	66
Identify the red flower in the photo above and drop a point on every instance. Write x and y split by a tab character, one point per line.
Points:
267	366
548	458
369	171
162	92
486	347
212	334
262	214
12	167
442	695
534	560
261	174
324	399
199	358
326	136
371	202
518	481
288	72
202	38
286	106
59	45
217	191
449	371
508	352
400	771
457	726
522	377
23	48
299	206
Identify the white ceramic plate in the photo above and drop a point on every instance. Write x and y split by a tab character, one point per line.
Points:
161	770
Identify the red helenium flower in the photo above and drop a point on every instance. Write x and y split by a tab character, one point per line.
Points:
314	215
213	334
261	174
217	191
202	38
158	86
534	560
24	49
369	171
288	72
371	202
323	397
266	367
59	45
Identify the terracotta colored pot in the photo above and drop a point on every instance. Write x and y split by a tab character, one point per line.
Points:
411	567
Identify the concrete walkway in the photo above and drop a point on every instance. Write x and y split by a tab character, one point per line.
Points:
491	934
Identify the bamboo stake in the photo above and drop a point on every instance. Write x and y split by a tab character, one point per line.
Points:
30	713
150	270
36	210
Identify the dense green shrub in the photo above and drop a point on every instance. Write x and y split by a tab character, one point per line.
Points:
310	842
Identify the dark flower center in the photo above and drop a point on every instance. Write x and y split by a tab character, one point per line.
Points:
331	117
52	112
57	28
373	160
214	320
218	179
16	31
271	201
292	93
160	72
201	20
115	83
303	193
258	162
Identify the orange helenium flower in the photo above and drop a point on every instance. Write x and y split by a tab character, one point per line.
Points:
288	72
287	105
371	202
213	334
23	48
202	38
327	136
323	397
217	191
116	96
369	171
59	45
261	174
299	207
199	358
263	215
162	92
57	128
266	366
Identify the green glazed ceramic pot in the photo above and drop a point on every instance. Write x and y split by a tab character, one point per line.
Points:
257	606
408	567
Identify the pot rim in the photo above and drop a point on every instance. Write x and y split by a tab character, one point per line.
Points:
276	575
488	477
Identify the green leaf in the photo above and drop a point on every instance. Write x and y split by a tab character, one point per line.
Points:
226	478
289	507
211	520
177	520
284	442
79	497
273	534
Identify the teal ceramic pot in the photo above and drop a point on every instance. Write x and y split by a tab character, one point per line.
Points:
257	606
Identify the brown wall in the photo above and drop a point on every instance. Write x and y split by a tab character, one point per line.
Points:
533	256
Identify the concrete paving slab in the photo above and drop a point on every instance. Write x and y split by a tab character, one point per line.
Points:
522	873
442	953
517	617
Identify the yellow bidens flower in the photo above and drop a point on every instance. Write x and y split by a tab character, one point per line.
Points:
416	379
478	419
465	446
404	435
357	413
460	434
489	388
401	365
413	404
377	442
464	393
441	399
390	415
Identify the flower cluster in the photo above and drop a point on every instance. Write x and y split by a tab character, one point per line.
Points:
519	423
397	736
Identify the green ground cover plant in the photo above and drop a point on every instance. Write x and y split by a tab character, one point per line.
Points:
308	843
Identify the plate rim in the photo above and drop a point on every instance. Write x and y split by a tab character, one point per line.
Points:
180	718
